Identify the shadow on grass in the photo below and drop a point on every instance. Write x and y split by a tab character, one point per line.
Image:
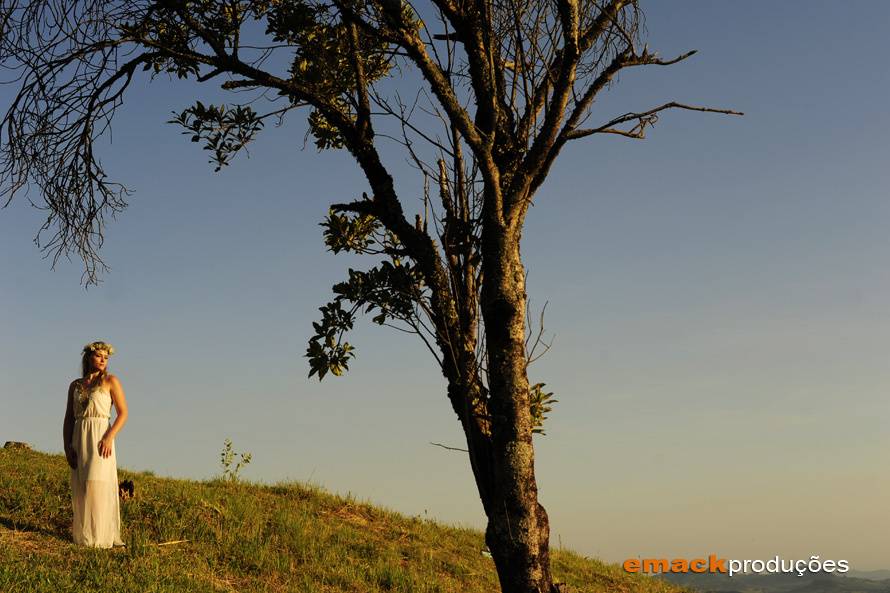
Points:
59	532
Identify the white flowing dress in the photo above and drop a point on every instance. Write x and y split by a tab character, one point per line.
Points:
94	489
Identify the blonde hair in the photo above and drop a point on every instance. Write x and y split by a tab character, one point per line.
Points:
88	352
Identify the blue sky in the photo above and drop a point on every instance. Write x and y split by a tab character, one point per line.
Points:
717	294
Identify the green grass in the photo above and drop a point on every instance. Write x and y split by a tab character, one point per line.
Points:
248	537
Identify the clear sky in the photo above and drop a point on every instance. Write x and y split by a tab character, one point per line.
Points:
718	295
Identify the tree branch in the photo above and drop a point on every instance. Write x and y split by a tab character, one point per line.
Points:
449	448
644	119
434	75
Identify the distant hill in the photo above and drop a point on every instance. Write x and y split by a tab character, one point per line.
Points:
219	537
873	575
780	583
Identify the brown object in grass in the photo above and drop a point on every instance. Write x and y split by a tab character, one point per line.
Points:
126	489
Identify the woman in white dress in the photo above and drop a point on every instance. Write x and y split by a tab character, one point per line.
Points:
89	448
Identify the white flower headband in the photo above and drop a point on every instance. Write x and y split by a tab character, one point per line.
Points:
99	346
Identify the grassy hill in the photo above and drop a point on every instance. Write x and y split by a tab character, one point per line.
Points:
248	537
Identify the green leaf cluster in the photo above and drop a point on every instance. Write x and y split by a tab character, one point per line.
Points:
391	290
540	403
326	134
324	61
161	29
323	58
350	233
225	130
327	352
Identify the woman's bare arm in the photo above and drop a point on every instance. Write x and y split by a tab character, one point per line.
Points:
120	404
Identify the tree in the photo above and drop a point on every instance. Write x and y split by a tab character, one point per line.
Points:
499	89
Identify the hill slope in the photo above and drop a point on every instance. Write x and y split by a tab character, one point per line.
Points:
248	537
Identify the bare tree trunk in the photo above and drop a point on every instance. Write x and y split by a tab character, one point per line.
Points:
518	529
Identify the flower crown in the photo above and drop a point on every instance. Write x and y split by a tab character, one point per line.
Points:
99	346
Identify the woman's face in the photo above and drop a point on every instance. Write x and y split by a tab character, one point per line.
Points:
99	360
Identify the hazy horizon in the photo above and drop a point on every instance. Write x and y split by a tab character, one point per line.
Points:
718	294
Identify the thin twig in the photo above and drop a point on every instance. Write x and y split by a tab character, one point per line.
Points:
170	543
449	448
